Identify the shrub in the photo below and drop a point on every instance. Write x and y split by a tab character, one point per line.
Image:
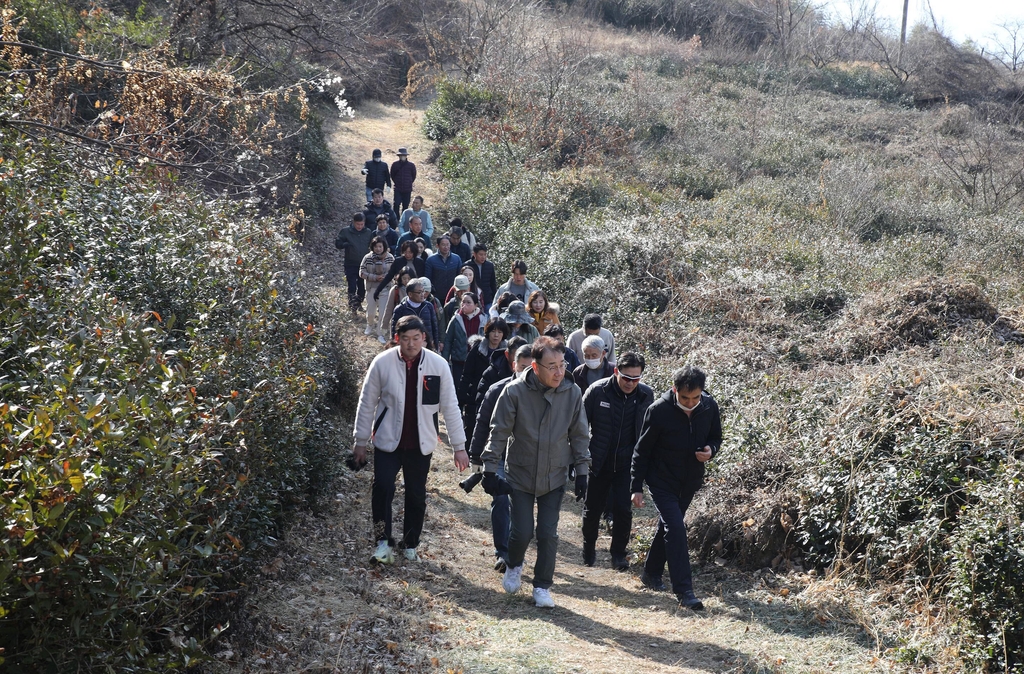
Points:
157	368
987	585
454	105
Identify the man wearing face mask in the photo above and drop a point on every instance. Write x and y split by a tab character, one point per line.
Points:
681	432
595	363
377	175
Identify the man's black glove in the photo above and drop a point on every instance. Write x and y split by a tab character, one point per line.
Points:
496	486
581	487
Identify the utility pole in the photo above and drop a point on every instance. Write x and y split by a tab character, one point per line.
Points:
903	33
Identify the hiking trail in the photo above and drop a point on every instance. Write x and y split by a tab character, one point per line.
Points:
320	606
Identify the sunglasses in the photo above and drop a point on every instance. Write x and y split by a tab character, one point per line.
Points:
632	379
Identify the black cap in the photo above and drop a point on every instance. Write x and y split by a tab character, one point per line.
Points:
376	153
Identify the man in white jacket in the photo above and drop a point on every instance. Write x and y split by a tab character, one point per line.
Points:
398	405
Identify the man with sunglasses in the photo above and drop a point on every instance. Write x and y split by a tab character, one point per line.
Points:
538	430
615	408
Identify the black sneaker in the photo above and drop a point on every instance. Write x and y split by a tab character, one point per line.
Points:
619	562
653	582
690	601
589	554
500	565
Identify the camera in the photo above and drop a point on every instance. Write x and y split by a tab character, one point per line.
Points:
474	479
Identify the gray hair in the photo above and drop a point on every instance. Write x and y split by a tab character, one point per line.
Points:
413	286
593	342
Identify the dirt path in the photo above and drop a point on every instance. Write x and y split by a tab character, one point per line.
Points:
321	607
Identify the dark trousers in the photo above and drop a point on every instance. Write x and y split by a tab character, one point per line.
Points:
356	285
613	484
548	509
500	520
401	202
457	367
670	541
414	466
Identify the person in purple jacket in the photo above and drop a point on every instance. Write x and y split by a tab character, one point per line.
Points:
403	175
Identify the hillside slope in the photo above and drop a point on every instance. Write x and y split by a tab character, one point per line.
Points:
323	608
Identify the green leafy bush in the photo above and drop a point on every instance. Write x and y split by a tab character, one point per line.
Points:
157	372
987	586
454	105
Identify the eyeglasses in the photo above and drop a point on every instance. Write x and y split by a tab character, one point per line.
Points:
553	369
632	379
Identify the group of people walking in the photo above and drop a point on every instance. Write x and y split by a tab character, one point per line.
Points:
518	402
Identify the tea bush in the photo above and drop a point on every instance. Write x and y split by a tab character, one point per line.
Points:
988	571
158	369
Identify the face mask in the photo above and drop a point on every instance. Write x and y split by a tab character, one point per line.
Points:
687	409
376	159
592	363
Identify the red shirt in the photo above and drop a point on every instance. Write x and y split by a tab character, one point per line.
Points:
410	420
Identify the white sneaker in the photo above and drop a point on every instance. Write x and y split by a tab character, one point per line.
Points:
542	598
383	554
380	338
513	579
410	555
367	330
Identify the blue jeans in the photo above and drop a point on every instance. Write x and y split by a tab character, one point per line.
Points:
369	195
548	509
501	517
669	542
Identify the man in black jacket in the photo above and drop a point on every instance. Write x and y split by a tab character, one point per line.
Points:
377	175
485	276
615	410
681	432
500	504
354	240
378	205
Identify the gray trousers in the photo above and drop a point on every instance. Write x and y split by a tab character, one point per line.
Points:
549	507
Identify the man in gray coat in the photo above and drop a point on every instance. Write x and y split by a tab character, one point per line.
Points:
539	429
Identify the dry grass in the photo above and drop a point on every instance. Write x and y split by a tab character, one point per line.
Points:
323	608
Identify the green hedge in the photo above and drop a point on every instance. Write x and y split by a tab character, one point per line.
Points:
157	368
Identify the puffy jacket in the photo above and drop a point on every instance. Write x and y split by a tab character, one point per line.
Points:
403	175
442	271
456	341
371	211
425	312
538	433
377	174
381	407
482	427
605	404
478	357
664	455
355	244
498	368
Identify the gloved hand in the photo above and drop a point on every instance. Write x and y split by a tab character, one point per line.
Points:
496	486
581	487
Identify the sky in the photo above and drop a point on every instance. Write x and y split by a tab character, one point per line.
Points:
960	19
